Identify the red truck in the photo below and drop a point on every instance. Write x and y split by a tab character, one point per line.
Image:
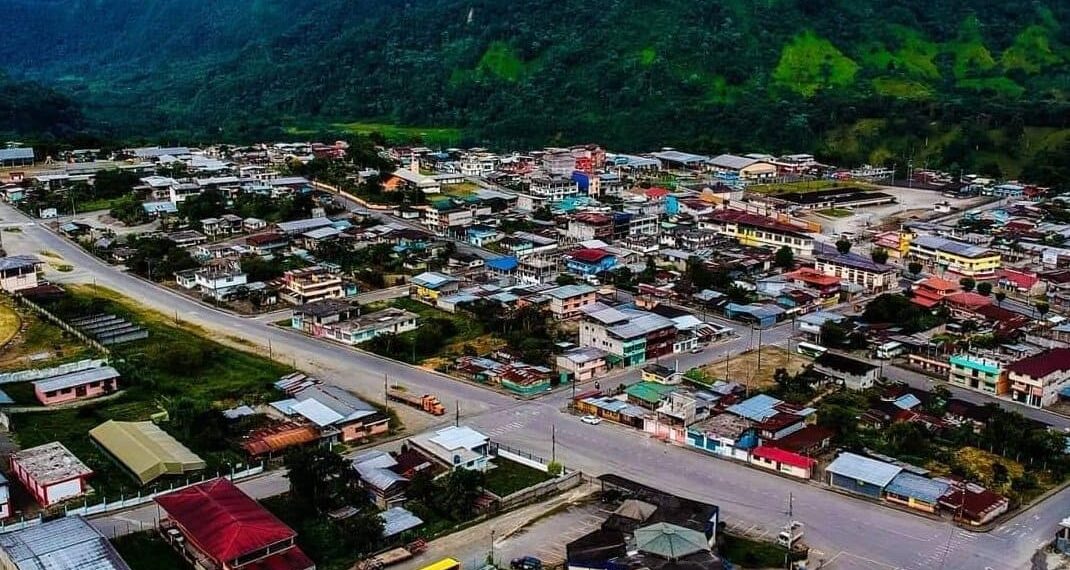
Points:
427	402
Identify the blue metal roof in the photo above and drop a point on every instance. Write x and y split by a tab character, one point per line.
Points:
507	263
907	484
864	469
907	401
757	408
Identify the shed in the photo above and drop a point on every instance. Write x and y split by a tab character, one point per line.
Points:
915	491
861	475
145	450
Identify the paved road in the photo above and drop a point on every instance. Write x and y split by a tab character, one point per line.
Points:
853	534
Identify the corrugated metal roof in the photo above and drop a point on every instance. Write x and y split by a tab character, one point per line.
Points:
68	543
864	469
79	378
758	408
458	437
18	262
316	412
21	153
907	484
397	520
145	449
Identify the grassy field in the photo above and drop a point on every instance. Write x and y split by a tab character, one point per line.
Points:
806	186
509	477
148	551
835	212
460	190
743	368
173	364
436	136
9	324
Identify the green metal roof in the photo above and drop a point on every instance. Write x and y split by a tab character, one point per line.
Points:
649	391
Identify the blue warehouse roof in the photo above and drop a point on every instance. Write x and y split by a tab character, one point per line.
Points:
864	469
907	484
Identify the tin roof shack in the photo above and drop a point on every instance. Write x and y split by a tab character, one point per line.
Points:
226	529
854	374
68	543
50	472
861	475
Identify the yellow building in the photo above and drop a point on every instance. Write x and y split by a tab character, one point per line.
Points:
954	256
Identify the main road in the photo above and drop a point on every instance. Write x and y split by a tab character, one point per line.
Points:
846	533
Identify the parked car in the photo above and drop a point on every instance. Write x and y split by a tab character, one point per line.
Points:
526	563
593	420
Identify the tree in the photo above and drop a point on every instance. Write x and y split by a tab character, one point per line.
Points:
461	489
321	480
566	279
1000	474
914	268
1042	308
785	258
843	245
984	288
967	284
833	334
879	255
1000	296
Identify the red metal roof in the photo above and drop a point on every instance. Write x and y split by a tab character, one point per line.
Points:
291	559
655	192
222	521
590	255
781	456
1043	364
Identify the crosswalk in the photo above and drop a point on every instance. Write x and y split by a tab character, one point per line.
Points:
946	549
504	429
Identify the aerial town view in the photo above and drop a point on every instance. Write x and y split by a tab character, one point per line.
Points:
478	285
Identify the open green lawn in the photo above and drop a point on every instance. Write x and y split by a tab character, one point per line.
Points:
835	212
436	136
747	553
40	345
460	190
806	186
173	364
148	551
509	477
9	324
98	204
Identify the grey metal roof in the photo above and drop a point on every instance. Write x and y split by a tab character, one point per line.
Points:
299	226
18	262
21	153
732	161
757	408
79	378
864	469
951	246
908	484
347	406
432	279
567	291
69	543
397	520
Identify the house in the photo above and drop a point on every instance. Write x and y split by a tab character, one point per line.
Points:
781	461
932	291
16	156
977	372
456	447
274	439
742	169
66	543
854	374
973	504
630	336
312	318
297	227
78	385
854	268
144	450
365	327
1037	380
18	272
590	261
914	491
649	395
761	231
954	256
227	529
612	409
584	363
301	286
220	281
860	475
267	243
727	435
50	472
378	476
428	286
568	301
339	415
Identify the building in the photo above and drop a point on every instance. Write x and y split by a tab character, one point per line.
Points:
67	543
313	318
220	282
979	373
79	385
761	231
16	156
50	472
378	476
1037	380
267	243
226	528
301	286
741	169
915	491
363	328
861	475
456	447
854	268
954	257
144	450
568	301
590	261
18	272
584	363
782	461
430	285
630	336
339	415
854	374
932	291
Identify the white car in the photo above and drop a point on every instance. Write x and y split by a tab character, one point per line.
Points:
592	420
696	350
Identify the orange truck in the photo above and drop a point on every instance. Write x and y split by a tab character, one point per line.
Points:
427	402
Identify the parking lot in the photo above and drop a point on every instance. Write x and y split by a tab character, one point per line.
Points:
546	538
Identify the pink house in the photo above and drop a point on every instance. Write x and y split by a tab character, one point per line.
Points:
80	385
50	472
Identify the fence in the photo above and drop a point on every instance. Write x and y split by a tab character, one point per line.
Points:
126	502
541	490
23	301
518	455
41	373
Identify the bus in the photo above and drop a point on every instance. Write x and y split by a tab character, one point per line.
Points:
811	350
444	564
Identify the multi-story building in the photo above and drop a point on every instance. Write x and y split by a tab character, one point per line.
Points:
588	262
980	373
1036	380
629	335
448	221
479	163
567	301
300	286
854	268
220	282
755	230
553	188
954	256
589	225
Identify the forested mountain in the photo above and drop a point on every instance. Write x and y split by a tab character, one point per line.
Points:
26	107
971	82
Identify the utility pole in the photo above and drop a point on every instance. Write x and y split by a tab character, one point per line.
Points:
553	443
386	391
759	347
457	415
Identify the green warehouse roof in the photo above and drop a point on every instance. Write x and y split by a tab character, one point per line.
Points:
145	450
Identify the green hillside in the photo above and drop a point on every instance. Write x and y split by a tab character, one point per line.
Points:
852	79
